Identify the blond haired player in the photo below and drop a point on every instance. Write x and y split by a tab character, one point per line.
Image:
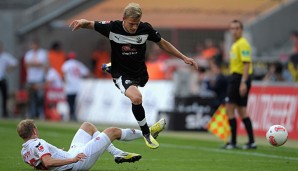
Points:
87	146
128	47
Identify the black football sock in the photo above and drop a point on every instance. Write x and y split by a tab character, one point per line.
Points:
139	113
248	127
233	125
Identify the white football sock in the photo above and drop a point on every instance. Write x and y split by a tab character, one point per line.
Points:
114	150
111	149
130	134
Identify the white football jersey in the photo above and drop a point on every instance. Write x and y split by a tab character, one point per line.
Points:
73	71
36	74
6	60
33	150
54	79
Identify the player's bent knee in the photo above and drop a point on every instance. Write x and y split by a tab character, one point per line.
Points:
86	125
89	128
113	133
136	100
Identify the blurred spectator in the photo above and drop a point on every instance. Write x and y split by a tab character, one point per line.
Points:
159	53
217	82
100	56
210	49
186	82
218	58
204	78
56	57
276	72
36	60
53	78
73	71
198	50
7	63
54	95
210	52
155	64
293	62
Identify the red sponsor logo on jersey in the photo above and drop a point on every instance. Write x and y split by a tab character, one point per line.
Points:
40	148
128	48
272	141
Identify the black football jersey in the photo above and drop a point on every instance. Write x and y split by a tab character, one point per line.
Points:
127	50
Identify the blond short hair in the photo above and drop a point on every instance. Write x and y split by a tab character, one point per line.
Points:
25	128
132	10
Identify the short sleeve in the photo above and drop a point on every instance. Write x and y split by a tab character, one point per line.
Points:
153	34
103	27
245	52
41	149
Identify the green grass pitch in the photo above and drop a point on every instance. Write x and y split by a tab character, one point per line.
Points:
178	151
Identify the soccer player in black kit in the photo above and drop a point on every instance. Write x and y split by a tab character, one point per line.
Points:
128	43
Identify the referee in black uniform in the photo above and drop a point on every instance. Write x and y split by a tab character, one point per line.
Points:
128	43
238	85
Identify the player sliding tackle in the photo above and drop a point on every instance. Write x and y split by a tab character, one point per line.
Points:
128	47
87	146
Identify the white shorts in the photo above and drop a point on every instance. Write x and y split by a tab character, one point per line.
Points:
93	148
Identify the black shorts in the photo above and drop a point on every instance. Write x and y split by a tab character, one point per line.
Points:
123	82
233	95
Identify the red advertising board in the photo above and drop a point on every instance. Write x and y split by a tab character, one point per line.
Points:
273	105
52	97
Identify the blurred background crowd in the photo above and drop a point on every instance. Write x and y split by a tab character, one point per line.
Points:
42	53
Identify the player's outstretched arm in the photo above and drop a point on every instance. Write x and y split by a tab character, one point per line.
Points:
169	48
82	23
48	161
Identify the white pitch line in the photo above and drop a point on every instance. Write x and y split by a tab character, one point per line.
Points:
229	151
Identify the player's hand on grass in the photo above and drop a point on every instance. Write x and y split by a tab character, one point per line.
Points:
79	157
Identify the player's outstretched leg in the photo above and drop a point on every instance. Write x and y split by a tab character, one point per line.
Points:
155	129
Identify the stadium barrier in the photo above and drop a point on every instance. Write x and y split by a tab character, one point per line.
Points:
190	113
55	105
271	104
100	101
